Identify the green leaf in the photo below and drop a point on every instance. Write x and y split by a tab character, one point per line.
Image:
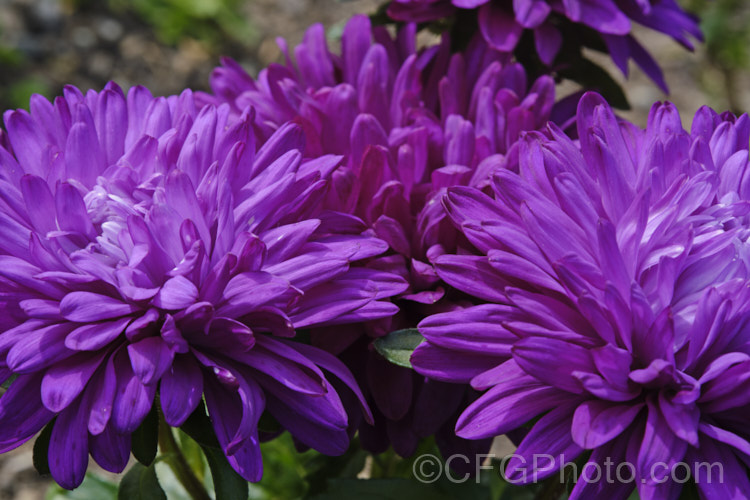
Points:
41	449
690	491
284	470
198	426
397	346
227	483
268	423
140	483
322	468
193	454
400	488
6	384
145	438
92	488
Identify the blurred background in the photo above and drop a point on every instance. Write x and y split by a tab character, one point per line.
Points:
166	45
170	45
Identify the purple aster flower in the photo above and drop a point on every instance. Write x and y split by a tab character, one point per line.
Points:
150	246
616	272
502	23
409	123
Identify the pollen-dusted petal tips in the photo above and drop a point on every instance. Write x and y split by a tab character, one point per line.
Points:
150	245
552	22
621	265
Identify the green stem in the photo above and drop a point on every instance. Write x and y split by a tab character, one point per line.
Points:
177	462
553	488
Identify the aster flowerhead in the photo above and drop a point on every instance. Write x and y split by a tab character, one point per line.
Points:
409	123
616	271
555	23
150	246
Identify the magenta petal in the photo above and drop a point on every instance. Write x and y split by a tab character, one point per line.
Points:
23	273
682	419
310	269
22	413
41	309
248	291
285	365
391	386
285	241
326	435
176	293
96	335
718	434
553	361
234	413
37	194
450	366
110	450
68	446
63	382
332	364
468	4
531	13
498	27
602	15
181	390
735	483
502	409
473	275
71	211
551	436
270	319
40	348
133	400
150	358
475	329
111	119
84	158
659	444
85	307
103	388
27	145
614	451
597	422
548	41
355	41
247	460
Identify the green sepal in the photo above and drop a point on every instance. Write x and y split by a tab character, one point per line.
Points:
398	346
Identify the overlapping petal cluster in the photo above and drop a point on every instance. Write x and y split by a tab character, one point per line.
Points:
151	246
409	123
616	273
503	22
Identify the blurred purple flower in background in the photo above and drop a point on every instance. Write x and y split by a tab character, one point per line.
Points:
503	22
616	273
409	123
150	245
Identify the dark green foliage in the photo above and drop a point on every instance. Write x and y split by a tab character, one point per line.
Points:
145	438
140	483
397	346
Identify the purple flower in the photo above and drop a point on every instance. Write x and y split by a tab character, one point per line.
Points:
149	245
616	275
502	23
409	124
